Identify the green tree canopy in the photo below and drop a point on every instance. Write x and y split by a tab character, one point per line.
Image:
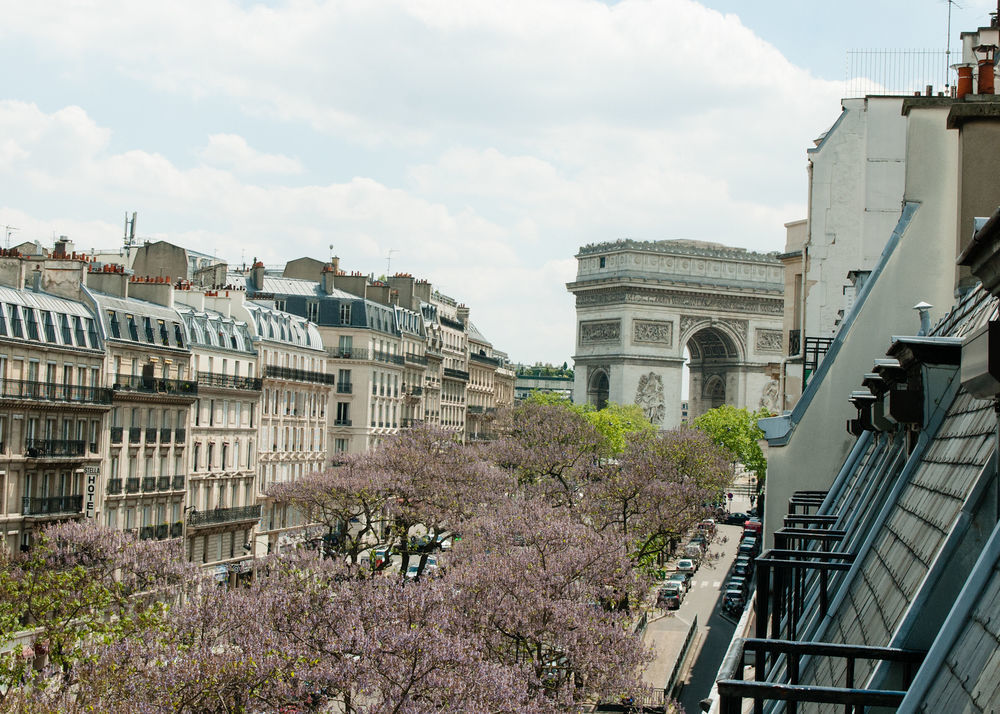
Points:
737	430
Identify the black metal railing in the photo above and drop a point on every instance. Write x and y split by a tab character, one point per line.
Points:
115	486
165	433
454	324
150	435
47	448
163	483
224	515
178	482
53	392
415	391
483	359
415	358
815	349
358	353
180	434
176	529
131	485
344	387
51	505
341	422
134	434
379	356
116	434
147	532
456	373
154	385
162	531
148	483
299	375
228	381
475	410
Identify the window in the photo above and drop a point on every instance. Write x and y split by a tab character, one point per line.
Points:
346	345
345	313
15	321
78	332
91	334
31	323
3	322
164	338
312	310
178	335
133	331
340	445
147	325
67	332
50	326
344	413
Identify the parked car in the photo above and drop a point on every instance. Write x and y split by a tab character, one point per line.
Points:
747	549
738	582
736	519
673	589
668	600
412	570
686	565
693	550
682	579
733	601
700	539
707	526
743	568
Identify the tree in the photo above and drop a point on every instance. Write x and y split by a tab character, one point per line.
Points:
616	423
737	430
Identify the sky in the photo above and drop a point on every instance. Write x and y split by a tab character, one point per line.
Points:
474	143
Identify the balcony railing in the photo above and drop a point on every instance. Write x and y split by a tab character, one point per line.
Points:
150	435
454	324
178	482
114	486
165	433
176	529
475	410
134	435
344	387
48	448
415	358
147	532
228	381
224	515
299	375
341	422
386	357
53	392
51	506
359	353
153	385
131	485
149	484
163	483
456	373
483	359
180	435
116	434
415	391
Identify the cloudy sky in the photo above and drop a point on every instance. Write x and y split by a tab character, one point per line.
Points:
481	143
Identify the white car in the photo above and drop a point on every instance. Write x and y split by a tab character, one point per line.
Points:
686	565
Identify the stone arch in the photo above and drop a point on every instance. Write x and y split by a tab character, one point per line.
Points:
716	351
599	387
714	391
731	335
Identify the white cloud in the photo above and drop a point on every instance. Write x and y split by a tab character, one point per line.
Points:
232	152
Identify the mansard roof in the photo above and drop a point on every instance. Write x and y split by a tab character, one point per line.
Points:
214	330
42	318
279	326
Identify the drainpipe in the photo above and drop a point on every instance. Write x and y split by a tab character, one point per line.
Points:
802	295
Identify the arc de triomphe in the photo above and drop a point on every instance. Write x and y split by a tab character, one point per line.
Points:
639	304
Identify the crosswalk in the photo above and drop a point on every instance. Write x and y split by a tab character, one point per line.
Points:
707	583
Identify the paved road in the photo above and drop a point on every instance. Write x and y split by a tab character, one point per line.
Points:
715	631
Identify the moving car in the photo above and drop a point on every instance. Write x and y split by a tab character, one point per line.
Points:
736	519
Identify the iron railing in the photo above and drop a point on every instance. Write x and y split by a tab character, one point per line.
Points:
148	484
341	422
178	482
299	375
163	483
388	358
134	435
53	392
51	505
115	486
176	529
150	435
224	515
131	485
153	385
46	448
162	531
415	358
180	434
116	434
165	433
344	387
228	381
456	373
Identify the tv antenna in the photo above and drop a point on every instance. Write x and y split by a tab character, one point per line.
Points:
388	261
129	239
7	231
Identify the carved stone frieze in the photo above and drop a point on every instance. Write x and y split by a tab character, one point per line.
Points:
674	298
767	340
659	332
600	331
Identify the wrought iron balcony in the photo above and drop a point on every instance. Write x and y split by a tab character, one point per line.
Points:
180	436
344	387
53	392
162	531
299	375
149	484
134	435
475	410
150	435
114	486
176	529
52	505
165	434
228	381
116	434
342	422
223	515
131	485
153	385
178	482
456	373
415	358
147	532
163	483
388	358
359	353
53	448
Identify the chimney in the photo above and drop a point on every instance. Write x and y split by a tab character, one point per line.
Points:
964	80
335	264
354	284
327	278
62	248
925	318
986	68
152	289
463	315
257	275
36	279
108	279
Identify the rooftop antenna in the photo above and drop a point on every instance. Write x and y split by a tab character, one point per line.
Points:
129	239
947	50
388	258
7	231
